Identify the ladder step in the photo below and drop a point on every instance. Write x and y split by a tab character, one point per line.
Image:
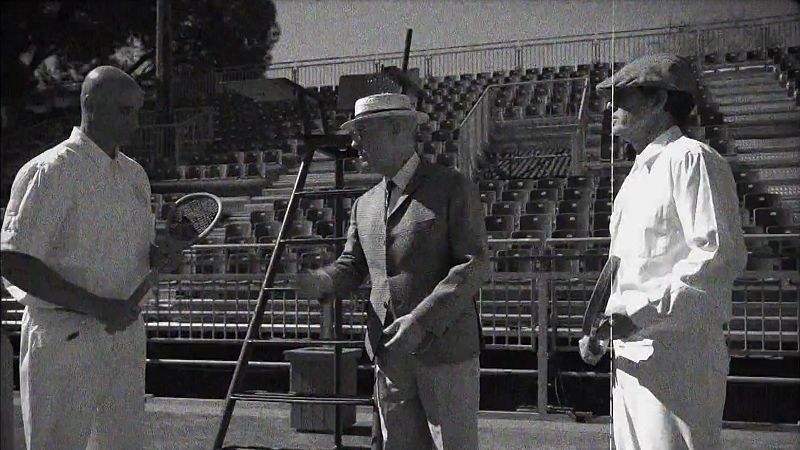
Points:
278	397
328	193
338	343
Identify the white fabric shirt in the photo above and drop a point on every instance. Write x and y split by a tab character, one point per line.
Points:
85	215
676	228
402	178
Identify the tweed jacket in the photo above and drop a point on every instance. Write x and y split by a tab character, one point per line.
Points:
428	258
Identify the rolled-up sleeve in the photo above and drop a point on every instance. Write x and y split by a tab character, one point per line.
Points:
39	202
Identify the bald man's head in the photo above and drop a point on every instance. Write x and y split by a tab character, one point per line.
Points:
110	104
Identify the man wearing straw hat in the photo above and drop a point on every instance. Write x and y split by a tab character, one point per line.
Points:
419	235
676	230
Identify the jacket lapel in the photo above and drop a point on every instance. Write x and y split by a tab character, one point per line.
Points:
416	181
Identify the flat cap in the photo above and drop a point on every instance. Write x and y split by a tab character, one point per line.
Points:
661	70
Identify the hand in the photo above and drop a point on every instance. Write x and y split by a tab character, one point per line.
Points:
167	254
592	349
118	314
622	326
406	334
313	285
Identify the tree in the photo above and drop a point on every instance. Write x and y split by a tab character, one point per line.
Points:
47	43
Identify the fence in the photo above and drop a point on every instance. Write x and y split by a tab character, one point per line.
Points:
176	142
534	301
694	41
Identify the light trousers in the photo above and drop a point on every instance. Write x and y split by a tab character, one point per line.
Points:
81	387
424	406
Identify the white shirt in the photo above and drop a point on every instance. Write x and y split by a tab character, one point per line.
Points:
83	214
402	178
676	229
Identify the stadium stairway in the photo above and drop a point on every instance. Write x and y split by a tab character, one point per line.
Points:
760	133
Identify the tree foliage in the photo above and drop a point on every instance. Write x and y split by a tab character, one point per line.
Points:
46	43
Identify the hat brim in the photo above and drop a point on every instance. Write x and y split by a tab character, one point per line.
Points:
419	115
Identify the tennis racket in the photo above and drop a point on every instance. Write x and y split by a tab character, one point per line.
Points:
594	318
189	220
192	217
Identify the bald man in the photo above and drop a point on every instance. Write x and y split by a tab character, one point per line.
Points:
76	251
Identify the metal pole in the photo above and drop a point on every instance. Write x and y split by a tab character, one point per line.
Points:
163	60
543	301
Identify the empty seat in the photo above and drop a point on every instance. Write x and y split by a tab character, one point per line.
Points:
759	200
236	232
540	207
260	217
572	222
515	196
514	260
602	206
570	234
577	193
499	223
521	185
767	217
550	183
579	181
544	194
573	206
506	209
536	222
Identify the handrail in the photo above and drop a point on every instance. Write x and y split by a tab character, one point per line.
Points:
767	20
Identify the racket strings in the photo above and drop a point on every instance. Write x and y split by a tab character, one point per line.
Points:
194	216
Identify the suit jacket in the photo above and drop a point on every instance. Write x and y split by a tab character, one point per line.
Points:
429	258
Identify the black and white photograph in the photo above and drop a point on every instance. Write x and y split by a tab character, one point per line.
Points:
400	224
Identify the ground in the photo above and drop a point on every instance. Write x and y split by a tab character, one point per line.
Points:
178	424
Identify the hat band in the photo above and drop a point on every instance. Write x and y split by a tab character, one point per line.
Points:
369	113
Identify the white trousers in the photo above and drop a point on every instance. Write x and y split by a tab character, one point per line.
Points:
6	393
426	406
675	398
81	387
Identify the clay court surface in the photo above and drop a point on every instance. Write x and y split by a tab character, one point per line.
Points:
178	424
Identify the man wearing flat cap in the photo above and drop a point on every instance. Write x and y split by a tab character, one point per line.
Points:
419	235
676	230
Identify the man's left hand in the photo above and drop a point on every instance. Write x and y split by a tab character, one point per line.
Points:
406	334
166	254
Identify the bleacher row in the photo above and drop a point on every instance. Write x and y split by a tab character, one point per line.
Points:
537	200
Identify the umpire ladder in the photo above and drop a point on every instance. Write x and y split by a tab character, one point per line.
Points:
333	146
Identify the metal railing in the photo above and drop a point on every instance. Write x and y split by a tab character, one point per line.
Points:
477	127
534	301
694	41
216	292
175	142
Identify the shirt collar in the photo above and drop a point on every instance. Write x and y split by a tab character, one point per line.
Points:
80	141
653	149
404	175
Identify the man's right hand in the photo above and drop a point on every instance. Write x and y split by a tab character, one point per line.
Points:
313	285
592	349
118	314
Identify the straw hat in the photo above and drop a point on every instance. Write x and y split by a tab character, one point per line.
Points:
385	105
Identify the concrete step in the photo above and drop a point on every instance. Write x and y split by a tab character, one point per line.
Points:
740	79
763	131
771	159
762	118
772	88
758	108
767	145
738	99
777	174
